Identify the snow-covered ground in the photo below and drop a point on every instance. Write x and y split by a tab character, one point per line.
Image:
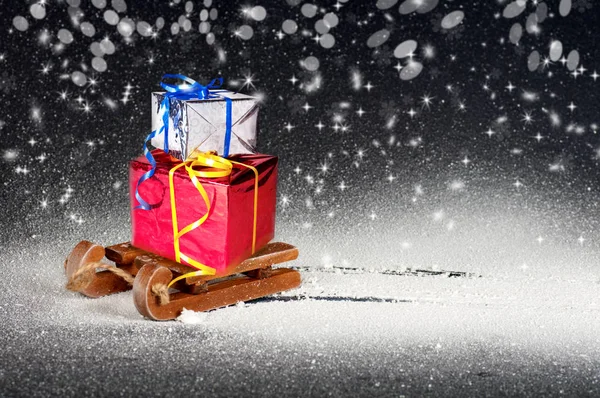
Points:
368	332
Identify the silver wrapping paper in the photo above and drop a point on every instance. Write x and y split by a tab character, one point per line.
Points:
201	124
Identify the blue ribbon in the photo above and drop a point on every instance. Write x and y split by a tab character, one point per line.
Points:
191	90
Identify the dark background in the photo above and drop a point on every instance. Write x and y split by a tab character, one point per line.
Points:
407	182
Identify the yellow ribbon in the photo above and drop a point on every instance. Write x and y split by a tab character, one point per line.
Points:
213	167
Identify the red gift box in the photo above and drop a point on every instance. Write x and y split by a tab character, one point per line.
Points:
225	239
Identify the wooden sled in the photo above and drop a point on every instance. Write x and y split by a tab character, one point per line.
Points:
86	257
150	274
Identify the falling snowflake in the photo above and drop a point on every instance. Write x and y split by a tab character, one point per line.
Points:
503	128
562	163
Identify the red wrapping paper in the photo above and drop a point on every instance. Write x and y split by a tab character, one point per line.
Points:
225	239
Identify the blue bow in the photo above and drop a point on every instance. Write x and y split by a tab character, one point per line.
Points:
191	90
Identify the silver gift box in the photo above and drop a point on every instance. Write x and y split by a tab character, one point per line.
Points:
201	124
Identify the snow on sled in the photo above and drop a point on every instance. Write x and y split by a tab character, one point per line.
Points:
150	275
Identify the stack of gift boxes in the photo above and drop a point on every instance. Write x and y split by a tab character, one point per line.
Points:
204	197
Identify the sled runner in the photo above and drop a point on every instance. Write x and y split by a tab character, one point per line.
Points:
150	275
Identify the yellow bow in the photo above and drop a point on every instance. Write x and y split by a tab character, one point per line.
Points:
213	166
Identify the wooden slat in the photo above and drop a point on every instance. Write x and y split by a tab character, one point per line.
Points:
123	253
149	258
272	253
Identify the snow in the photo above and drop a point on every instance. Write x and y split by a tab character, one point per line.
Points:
366	331
192	317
